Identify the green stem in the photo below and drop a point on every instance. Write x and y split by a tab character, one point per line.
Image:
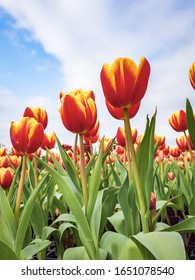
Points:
131	156
189	147
20	189
35	170
74	149
82	170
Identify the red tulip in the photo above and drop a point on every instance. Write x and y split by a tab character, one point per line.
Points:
152	201
2	152
38	114
124	83
6	177
178	121
192	75
27	135
78	111
120	136
182	142
49	141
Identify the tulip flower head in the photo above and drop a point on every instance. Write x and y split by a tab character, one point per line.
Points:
124	83
49	141
6	177
38	114
78	111
178	121
26	135
192	75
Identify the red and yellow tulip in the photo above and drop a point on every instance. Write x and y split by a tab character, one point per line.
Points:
39	114
124	83
26	135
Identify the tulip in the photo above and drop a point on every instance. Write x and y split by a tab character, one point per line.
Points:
26	138
152	201
78	112
39	114
171	175
6	177
2	152
27	135
4	161
49	141
182	143
192	75
178	121
124	83
120	136
174	152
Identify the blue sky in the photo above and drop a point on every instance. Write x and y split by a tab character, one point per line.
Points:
49	46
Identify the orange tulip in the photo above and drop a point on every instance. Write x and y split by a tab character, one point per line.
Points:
49	141
182	142
78	111
2	152
192	75
6	177
27	135
120	136
170	175
152	201
124	83
178	121
174	151
118	113
93	138
4	161
38	114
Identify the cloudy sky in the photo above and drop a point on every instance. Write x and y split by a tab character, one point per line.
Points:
47	46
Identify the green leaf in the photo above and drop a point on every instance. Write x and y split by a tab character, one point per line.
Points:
6	253
190	121
185	226
79	253
146	152
7	215
26	215
104	207
162	245
127	201
118	222
94	184
120	247
34	247
69	166
76	209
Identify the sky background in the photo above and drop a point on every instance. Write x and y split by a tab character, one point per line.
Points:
51	45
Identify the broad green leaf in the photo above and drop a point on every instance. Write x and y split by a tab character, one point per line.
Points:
190	121
77	211
120	247
146	152
34	247
69	166
79	253
7	215
94	185
26	215
118	222
162	245
64	218
185	226
127	201
104	207
6	253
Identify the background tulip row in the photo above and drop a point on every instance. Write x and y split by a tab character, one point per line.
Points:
116	201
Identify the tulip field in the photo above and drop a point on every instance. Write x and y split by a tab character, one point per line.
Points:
131	197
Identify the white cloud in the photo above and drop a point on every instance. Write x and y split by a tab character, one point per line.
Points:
83	34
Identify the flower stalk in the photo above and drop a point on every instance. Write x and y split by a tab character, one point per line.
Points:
20	189
132	157
82	171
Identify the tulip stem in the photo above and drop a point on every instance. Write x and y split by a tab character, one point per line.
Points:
20	189
82	170
35	170
74	149
132	156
